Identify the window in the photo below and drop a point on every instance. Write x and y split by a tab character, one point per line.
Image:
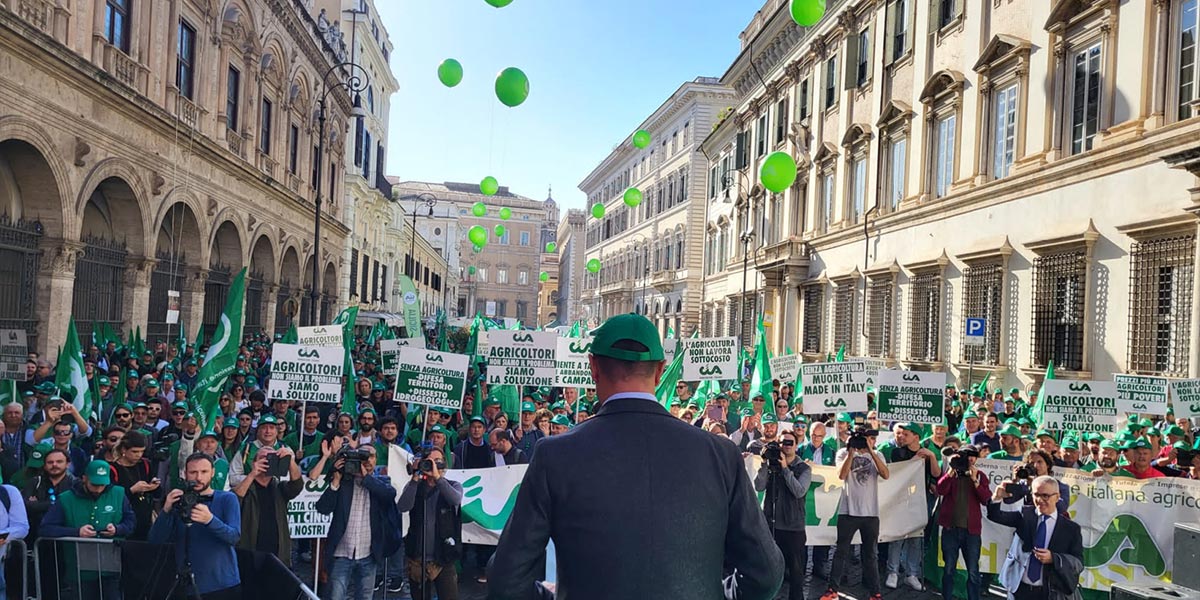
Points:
674	142
843	316
741	150
366	155
1189	72
925	316
781	121
522	277
185	61
803	103
813	315
858	185
880	301
1160	305
233	93
353	269
1059	287
863	70
945	12
760	136
826	200
522	309
116	23
502	308
501	276
831	83
264	133
293	148
897	171
899	36
524	238
316	166
359	132
1004	131
982	294
506	239
365	280
712	182
943	166
333	169
1085	98
481	274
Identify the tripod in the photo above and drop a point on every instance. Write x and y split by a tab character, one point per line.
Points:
184	585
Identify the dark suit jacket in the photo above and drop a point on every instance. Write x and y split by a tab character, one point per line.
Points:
337	502
640	505
1066	538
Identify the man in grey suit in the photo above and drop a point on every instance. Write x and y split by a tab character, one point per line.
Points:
639	503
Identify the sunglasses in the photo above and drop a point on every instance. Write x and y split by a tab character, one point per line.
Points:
787	443
179	413
122	415
61	433
758	400
114	439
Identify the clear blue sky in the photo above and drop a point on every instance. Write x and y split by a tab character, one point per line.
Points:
597	68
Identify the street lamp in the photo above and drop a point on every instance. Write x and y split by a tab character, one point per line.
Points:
747	237
353	84
431	201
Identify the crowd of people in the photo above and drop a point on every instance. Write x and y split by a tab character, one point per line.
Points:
141	467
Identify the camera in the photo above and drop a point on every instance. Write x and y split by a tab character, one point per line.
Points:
190	498
1023	472
354	457
161	450
772	453
424	464
858	438
1184	458
960	458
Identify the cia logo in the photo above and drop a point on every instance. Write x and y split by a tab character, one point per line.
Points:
410	297
108	508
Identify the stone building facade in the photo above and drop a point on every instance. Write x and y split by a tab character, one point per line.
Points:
1030	162
149	146
572	266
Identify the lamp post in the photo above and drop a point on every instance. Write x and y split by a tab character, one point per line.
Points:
743	205
431	201
354	83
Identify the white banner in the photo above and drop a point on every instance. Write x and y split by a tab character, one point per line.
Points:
389	351
14	351
785	368
302	517
172	307
1141	394
522	358
306	373
323	335
488	499
574	370
1086	406
873	367
834	387
670	346
710	358
1185	397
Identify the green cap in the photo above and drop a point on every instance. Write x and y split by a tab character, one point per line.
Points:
1180	445
491	401
845	417
102	380
1175	430
478	419
1014	391
1110	445
230	422
132	373
37	457
561	420
1154	432
631	327
251	380
672	402
769	418
209	433
445	410
1010	430
183	405
439	429
1138	444
1043	433
1134	424
745	411
563	405
1070	444
910	427
267	420
1025	422
1093	437
98	473
378	386
179	387
151	383
528	407
191	362
168	376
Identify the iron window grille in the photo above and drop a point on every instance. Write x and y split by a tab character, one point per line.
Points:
813	314
925	316
982	297
843	316
99	291
1060	285
880	307
1160	305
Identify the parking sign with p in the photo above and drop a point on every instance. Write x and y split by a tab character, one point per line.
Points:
976	331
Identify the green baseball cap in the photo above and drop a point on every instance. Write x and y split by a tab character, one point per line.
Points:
491	401
98	473
1110	445
378	386
845	417
102	380
562	420
1010	430
1093	437
1070	444
230	422
1014	391
1180	445
628	327
183	405
439	429
910	427
1134	424
1043	433
151	383
745	411
1175	430
168	376
1138	444
37	457
1025	422
563	405
769	418
528	407
478	419
1154	432
179	387
209	433
672	402
267	420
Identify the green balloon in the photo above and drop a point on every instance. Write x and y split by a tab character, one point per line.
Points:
478	236
778	172
593	266
499	3
479	209
641	138
478	249
598	210
544	276
633	197
450	72
500	230
471	270
512	87
551	247
489	186
806	13
505	213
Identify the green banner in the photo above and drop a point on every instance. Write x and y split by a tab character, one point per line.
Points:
914	396
431	378
411	305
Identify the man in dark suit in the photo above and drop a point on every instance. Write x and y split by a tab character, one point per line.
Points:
1052	540
639	503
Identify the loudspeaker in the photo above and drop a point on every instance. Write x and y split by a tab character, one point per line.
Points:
1187	556
1164	591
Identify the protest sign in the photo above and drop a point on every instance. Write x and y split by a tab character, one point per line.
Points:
670	346
916	396
710	358
873	366
1085	406
572	359
785	368
302	517
522	358
834	387
1185	397
306	373
14	351
431	378
389	351
322	335
488	499
1141	394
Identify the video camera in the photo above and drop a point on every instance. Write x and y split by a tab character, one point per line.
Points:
772	452
424	464
354	459
960	458
1184	458
190	498
161	450
858	438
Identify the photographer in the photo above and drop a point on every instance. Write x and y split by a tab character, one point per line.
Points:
359	535
434	539
964	491
1038	463
265	436
770	433
264	501
784	504
860	468
132	472
208	544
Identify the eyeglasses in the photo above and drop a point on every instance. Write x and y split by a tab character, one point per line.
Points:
114	440
179	413
787	443
1044	496
757	400
62	433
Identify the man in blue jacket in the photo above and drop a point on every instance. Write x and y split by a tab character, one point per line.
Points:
216	526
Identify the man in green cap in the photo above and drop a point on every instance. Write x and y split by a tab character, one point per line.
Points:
1139	462
94	508
601	469
527	433
1071	457
559	424
266	436
1010	445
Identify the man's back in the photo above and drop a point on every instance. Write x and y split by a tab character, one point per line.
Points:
640	505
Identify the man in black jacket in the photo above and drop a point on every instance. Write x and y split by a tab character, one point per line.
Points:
1051	538
504	452
786	485
608	491
434	540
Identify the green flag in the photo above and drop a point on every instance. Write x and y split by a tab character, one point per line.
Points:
138	343
706	391
760	378
1039	407
410	303
70	376
981	387
222	355
841	355
346	319
473	336
443	342
291	336
199	338
8	392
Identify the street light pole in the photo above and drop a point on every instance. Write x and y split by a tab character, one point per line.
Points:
431	201
746	238
353	84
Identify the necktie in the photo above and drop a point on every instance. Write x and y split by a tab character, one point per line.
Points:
1039	541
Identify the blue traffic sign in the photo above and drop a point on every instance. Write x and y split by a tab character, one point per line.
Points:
976	327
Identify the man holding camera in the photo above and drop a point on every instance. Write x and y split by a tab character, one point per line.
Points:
358	536
204	525
434	539
1051	541
860	468
964	490
266	436
264	501
785	478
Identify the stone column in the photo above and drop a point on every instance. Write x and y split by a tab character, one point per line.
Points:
136	305
270	304
791	309
191	299
55	288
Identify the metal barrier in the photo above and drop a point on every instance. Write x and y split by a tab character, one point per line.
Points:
96	563
18	550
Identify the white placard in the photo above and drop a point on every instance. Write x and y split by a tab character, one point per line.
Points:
670	346
389	351
522	358
785	368
574	369
431	378
834	387
710	358
873	367
322	335
1185	397
14	353
1085	406
1141	394
302	517
172	307
306	373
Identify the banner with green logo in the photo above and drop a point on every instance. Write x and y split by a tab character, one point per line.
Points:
1185	395
1141	394
222	355
389	351
714	358
302	517
1086	406
834	387
522	357
916	396
574	370
488	499
431	378
410	303
785	368
306	373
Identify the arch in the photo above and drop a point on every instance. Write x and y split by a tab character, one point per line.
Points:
329	295
857	132
273	61
114	192
940	83
178	231
226	247
237	22
262	258
289	268
39	176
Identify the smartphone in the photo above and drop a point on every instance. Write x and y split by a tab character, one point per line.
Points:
713	412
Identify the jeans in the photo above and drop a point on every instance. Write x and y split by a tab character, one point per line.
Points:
912	551
795	555
343	571
868	530
446	585
954	541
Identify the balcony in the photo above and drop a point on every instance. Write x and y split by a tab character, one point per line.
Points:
617	287
187	112
293	182
266	164
383	185
123	68
780	259
664	280
237	144
38	13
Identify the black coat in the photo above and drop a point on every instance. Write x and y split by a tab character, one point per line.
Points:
640	505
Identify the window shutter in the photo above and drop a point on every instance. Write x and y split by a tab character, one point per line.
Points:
850	71
912	20
870	51
889	37
959	6
934	16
